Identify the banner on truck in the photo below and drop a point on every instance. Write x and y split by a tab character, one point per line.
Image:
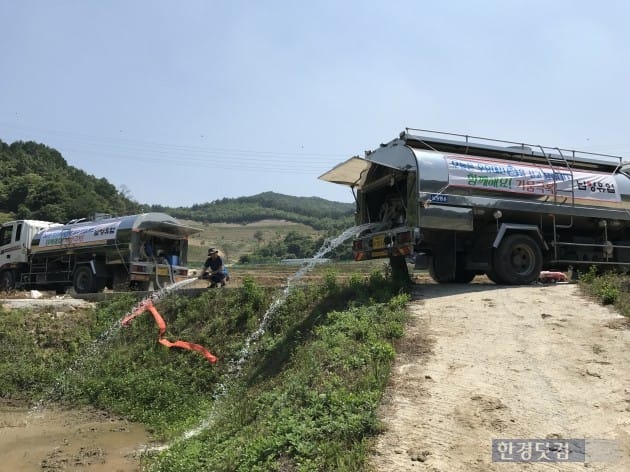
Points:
79	235
529	179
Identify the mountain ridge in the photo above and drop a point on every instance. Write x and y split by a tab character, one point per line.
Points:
38	183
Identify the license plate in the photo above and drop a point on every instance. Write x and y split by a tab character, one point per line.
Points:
378	242
162	271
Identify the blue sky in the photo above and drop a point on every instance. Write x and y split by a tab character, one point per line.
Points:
193	101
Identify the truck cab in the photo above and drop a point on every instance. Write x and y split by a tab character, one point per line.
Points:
15	246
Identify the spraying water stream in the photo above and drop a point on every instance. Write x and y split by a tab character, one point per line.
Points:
236	365
59	386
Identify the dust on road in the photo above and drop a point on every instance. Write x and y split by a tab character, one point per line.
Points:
482	362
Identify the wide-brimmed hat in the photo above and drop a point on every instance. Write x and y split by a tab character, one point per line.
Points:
212	250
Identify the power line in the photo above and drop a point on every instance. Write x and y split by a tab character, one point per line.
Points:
154	147
260	165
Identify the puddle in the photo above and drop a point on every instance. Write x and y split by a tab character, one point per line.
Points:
54	440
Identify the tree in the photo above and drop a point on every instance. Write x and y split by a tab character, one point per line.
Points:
259	237
298	244
37	182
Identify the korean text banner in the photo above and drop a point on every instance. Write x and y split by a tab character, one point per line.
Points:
80	235
530	179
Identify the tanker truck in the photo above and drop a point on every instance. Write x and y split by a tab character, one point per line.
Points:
120	253
467	205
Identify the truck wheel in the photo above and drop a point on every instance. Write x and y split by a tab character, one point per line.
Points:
7	280
84	280
518	260
440	271
462	275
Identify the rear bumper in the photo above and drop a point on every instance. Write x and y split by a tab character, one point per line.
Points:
145	272
391	243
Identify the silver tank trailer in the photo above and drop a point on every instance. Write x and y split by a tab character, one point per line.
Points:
457	201
134	250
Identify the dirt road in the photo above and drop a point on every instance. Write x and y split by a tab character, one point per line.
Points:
481	362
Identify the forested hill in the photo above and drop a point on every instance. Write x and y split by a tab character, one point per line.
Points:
37	183
312	211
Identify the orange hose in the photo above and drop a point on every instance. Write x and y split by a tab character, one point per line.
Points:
148	305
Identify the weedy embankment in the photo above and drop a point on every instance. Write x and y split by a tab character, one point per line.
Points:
305	398
608	288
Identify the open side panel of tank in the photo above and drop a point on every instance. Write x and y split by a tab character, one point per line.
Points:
351	172
157	236
384	180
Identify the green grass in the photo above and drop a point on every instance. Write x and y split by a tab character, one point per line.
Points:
305	400
608	288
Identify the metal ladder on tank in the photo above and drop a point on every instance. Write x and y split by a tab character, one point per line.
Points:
560	162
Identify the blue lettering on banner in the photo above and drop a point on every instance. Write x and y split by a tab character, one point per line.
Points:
438	198
105	231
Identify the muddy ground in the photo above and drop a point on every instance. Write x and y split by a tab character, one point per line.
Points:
49	438
53	439
482	362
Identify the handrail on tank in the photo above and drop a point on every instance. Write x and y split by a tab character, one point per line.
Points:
467	137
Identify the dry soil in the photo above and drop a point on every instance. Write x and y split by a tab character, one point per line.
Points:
481	362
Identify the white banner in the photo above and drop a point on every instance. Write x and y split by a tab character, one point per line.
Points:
80	235
529	179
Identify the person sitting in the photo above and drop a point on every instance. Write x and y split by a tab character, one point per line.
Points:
213	269
146	250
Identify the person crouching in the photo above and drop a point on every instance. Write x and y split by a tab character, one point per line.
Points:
213	269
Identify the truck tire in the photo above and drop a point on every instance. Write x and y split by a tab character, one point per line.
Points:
445	269
518	260
440	270
462	275
7	280
84	281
